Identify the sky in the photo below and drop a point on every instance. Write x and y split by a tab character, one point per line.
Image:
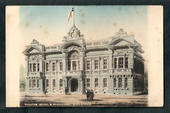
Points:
49	24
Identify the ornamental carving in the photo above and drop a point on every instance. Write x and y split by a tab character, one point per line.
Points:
71	48
34	58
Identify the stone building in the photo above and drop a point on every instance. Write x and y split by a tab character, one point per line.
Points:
114	66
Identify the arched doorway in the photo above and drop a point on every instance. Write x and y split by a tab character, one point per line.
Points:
74	85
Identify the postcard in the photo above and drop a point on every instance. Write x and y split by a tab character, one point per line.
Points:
84	56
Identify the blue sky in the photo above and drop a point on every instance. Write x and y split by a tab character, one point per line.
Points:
87	17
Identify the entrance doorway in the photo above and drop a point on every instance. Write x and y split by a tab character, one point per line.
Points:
74	85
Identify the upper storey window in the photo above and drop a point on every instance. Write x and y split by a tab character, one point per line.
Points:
34	67
53	66
96	64
104	63
88	65
61	66
115	62
47	66
120	63
126	62
74	65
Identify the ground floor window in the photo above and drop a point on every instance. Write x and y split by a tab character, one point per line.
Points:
96	82
120	63
120	82
126	82
114	82
38	84
61	83
33	83
88	82
104	82
53	82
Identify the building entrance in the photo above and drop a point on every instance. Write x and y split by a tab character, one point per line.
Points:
74	85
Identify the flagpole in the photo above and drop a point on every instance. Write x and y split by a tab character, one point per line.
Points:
73	16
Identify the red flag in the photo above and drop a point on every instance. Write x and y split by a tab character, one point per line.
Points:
70	14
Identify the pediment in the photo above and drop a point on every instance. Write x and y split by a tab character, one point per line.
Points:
122	43
31	50
34	51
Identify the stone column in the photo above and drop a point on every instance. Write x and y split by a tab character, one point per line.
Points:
64	62
110	61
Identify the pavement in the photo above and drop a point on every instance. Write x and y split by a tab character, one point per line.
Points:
79	100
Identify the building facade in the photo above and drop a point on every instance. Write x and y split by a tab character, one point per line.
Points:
114	66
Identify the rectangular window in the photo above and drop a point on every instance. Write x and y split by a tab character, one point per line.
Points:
47	67
115	63
120	63
74	65
69	65
33	83
88	82
61	66
38	67
30	67
96	64
38	84
104	82
126	82
53	66
47	83
34	67
61	83
120	82
96	82
126	62
104	63
53	82
29	83
88	65
114	82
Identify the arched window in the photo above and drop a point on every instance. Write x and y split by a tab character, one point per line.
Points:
73	61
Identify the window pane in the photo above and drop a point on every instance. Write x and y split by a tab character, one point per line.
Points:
126	62
47	66
88	65
120	82
38	67
33	83
120	63
34	67
74	65
96	82
115	62
37	83
114	82
53	82
88	82
126	82
53	66
105	64
96	64
61	66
